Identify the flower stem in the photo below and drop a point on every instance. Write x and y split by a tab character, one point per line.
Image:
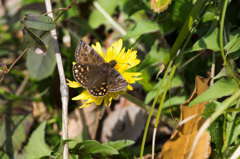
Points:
221	40
146	107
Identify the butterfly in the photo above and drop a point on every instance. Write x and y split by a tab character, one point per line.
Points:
93	73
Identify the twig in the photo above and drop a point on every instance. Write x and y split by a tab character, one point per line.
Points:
65	9
212	73
14	63
236	153
63	85
110	19
115	24
23	84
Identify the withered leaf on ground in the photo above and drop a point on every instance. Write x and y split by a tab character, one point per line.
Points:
180	143
80	118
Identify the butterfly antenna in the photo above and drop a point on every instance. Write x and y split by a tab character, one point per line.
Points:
125	63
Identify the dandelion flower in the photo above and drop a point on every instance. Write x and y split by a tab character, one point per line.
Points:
116	57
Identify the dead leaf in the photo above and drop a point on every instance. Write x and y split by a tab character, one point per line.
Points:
84	117
125	123
180	143
40	111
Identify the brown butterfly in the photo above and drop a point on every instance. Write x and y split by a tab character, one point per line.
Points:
93	73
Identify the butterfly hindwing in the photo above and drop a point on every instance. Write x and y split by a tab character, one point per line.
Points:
100	87
85	54
85	74
116	81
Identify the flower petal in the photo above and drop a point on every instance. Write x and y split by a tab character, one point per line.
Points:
73	84
118	45
98	48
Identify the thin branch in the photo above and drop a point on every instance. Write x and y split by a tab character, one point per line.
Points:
212	73
236	153
65	9
14	63
115	24
63	85
110	19
23	84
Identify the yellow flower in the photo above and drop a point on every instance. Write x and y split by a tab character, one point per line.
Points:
125	61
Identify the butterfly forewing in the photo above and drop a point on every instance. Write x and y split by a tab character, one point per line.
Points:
99	88
85	74
116	81
93	73
87	55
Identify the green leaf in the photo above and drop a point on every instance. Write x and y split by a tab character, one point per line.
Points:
223	73
96	18
4	155
81	145
208	16
92	147
180	12
139	6
97	148
146	81
58	148
33	41
41	66
36	146
84	135
15	124
142	27
233	45
176	82
215	128
221	88
118	145
233	130
175	100
38	21
209	41
155	56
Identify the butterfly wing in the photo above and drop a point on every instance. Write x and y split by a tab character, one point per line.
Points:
99	88
116	81
85	74
85	54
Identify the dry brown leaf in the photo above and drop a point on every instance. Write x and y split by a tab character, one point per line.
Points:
84	117
180	143
127	121
40	111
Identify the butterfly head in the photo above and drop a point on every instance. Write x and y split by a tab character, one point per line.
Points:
113	63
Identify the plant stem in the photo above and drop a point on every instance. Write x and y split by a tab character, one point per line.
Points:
152	108
221	39
63	85
146	107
